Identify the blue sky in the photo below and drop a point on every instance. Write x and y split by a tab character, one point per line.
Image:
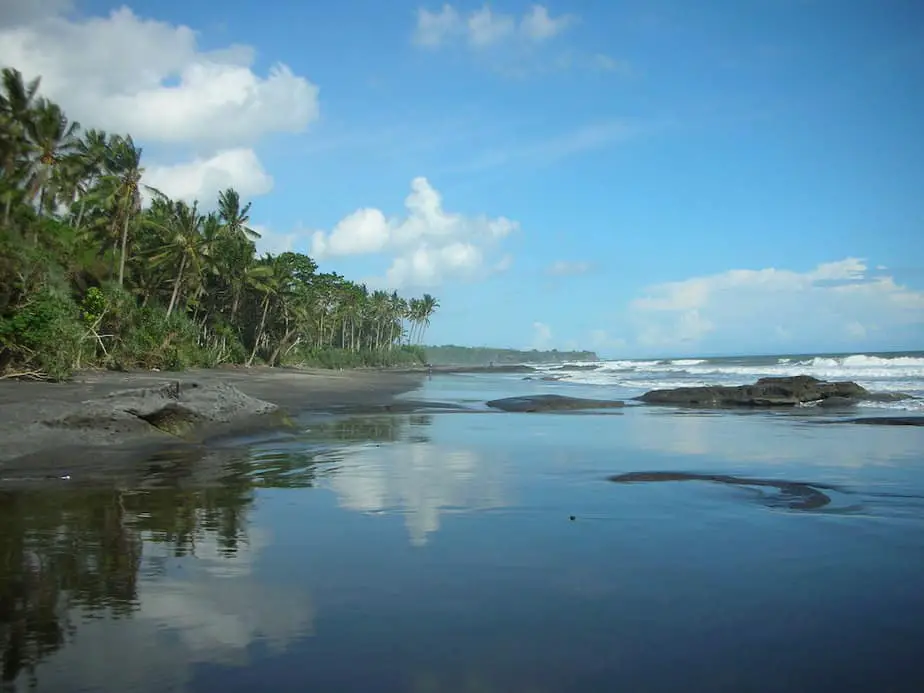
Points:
644	178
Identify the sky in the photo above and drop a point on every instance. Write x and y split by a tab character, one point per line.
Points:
644	178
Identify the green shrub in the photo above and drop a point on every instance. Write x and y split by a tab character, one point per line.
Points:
44	334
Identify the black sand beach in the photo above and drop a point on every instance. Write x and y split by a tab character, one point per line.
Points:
50	430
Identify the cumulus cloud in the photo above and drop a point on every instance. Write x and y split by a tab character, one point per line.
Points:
483	28
149	78
602	340
542	336
19	12
200	179
839	300
428	245
564	268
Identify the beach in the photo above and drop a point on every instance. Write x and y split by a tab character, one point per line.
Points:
36	446
401	535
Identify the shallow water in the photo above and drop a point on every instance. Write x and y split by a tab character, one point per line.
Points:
437	552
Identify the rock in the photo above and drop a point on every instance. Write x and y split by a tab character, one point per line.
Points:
838	402
576	367
544	403
888	420
173	408
887	397
766	392
795	495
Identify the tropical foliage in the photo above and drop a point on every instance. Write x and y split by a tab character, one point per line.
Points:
96	269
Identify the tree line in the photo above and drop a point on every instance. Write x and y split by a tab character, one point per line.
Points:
454	355
91	276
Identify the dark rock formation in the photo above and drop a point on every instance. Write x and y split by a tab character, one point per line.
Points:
544	403
794	495
887	420
576	367
766	392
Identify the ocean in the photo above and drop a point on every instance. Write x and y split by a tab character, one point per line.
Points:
645	549
879	372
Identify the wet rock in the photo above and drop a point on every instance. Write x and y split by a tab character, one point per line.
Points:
887	397
888	420
576	367
794	495
838	403
766	392
545	403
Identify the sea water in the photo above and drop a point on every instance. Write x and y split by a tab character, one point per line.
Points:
479	551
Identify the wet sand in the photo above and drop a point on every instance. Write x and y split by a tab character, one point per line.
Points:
33	445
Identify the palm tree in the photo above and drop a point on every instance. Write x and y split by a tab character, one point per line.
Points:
269	284
181	225
124	165
233	217
53	138
426	306
16	110
88	164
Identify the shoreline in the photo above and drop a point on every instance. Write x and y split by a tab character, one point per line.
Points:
46	432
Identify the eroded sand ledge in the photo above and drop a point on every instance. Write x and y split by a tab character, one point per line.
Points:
49	428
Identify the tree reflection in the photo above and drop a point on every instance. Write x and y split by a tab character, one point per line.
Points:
69	552
66	551
372	429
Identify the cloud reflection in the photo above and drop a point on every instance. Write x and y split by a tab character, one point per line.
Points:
422	479
207	608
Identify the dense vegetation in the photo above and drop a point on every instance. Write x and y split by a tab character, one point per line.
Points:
92	277
452	355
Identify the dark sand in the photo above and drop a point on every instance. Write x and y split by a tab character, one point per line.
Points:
33	447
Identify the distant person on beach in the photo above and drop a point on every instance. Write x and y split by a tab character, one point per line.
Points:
429	370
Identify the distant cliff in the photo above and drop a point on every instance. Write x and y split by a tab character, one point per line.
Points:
451	355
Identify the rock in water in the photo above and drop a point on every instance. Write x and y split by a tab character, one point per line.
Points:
546	403
766	392
795	495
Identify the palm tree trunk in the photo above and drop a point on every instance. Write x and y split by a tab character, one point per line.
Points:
176	286
80	211
124	244
256	342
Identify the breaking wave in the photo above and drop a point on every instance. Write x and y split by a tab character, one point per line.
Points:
876	372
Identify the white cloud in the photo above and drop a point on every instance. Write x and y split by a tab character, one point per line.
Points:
564	268
19	12
542	336
602	340
590	137
428	245
604	62
202	179
834	301
149	78
483	28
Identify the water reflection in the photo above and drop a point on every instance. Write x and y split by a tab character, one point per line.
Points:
769	438
411	474
133	582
